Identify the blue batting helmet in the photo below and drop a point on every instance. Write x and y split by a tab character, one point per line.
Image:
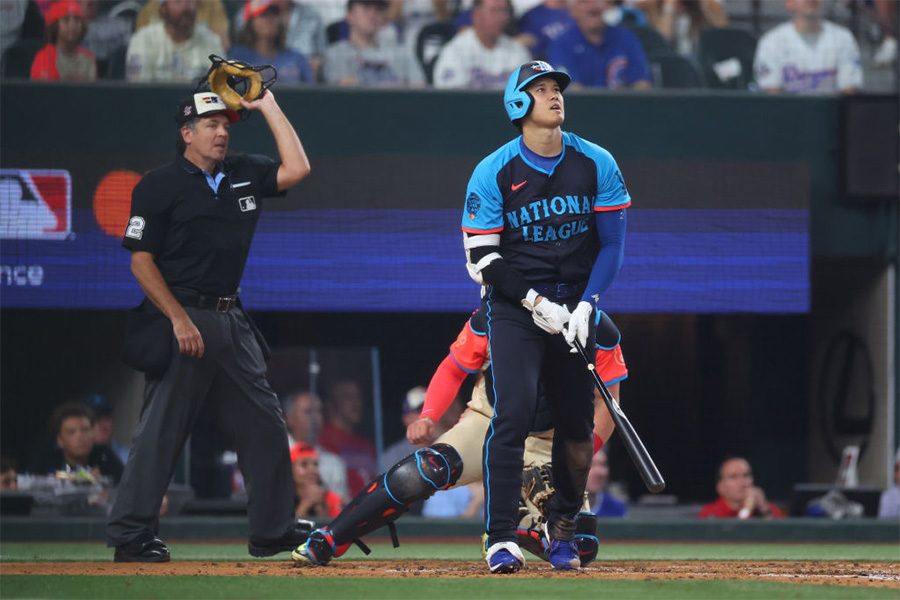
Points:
517	101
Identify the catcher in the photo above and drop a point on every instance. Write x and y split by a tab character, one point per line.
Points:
455	458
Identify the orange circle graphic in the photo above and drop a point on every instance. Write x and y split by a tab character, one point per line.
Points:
112	201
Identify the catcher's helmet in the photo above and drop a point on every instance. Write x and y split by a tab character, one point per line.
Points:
517	101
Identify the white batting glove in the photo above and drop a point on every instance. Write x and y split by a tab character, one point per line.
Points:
547	315
579	324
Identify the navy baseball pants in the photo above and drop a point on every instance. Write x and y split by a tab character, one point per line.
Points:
522	354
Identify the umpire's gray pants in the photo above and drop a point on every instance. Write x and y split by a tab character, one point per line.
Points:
231	375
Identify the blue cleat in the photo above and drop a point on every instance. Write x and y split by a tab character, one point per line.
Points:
564	555
505	557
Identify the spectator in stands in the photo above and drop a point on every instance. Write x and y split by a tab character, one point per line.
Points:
262	41
889	503
595	54
8	477
305	30
412	404
886	15
365	58
682	21
303	415
481	56
72	425
173	49
543	24
104	426
738	497
602	503
808	55
19	20
314	499
209	12
345	412
105	33
63	58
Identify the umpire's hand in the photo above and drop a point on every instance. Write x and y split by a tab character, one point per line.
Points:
190	341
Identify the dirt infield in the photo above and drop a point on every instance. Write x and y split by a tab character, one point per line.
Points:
820	572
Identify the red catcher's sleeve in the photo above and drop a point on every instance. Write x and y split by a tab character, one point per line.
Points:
442	389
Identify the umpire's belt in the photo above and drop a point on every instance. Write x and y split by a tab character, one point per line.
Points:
557	291
220	304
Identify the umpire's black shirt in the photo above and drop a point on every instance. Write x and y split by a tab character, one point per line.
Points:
199	226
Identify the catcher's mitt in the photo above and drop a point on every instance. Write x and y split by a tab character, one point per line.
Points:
233	80
537	487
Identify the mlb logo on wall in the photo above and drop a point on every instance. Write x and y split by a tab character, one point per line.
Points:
35	204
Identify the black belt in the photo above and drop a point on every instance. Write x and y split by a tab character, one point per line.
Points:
557	291
220	304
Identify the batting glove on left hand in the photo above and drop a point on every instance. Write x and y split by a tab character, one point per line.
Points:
579	324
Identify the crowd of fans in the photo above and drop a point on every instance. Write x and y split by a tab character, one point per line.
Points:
470	44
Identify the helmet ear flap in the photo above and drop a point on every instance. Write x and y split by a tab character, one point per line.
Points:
530	103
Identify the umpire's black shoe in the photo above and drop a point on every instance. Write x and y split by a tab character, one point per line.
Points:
147	549
295	536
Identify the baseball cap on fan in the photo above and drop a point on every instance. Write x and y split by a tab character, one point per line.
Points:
414	399
203	104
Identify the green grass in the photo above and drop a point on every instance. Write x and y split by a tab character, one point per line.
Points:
554	586
57	586
57	552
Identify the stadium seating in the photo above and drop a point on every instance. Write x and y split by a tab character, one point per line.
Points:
726	55
671	71
16	61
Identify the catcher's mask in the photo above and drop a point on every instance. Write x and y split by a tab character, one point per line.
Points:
233	80
516	100
202	104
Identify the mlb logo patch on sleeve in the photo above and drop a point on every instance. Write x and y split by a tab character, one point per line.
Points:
35	204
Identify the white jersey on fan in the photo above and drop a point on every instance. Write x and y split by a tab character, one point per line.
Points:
822	63
465	63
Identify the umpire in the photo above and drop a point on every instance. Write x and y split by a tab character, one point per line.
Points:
191	226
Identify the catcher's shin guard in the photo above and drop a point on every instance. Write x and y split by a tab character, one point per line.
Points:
416	477
586	537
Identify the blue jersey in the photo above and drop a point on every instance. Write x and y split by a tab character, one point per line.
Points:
545	24
545	217
618	60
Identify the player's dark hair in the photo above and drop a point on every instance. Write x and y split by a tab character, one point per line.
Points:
67	410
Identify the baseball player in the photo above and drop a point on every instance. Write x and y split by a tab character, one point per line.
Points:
455	457
544	230
192	222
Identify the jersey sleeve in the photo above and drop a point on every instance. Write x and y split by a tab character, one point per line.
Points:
611	365
265	170
612	194
449	68
146	229
849	68
484	204
470	348
766	64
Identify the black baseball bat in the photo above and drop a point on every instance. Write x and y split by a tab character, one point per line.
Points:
636	449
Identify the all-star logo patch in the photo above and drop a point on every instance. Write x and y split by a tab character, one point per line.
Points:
473	204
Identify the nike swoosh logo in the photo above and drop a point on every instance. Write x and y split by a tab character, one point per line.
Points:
516	186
